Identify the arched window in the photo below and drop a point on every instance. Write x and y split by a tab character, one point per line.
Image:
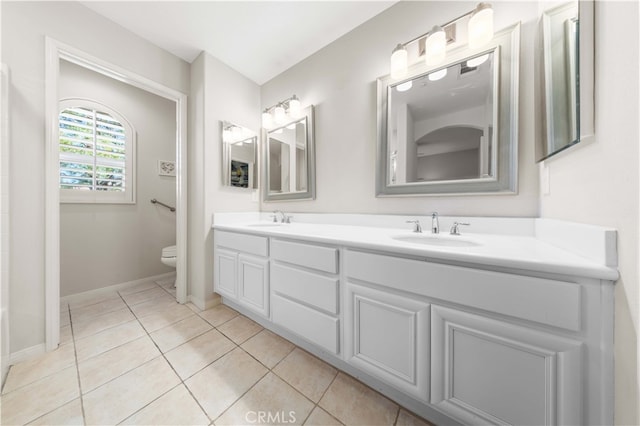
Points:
97	154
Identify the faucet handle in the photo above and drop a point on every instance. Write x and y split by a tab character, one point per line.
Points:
275	217
455	229
287	219
417	227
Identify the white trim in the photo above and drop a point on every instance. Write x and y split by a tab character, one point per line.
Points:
78	297
55	51
5	227
26	354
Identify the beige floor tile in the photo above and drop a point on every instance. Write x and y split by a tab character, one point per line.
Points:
65	334
87	312
143	296
306	373
102	322
44	365
406	418
137	288
108	339
319	417
273	397
197	353
268	347
120	398
80	300
240	329
39	398
176	407
353	403
167	282
168	316
176	334
153	306
219	385
68	414
193	307
218	315
108	365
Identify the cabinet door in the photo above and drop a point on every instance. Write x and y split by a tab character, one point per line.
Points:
253	283
493	372
387	336
224	281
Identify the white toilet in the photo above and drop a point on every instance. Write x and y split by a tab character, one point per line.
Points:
169	256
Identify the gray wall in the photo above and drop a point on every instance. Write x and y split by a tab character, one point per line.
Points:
341	81
107	244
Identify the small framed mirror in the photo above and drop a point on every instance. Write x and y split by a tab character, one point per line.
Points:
452	129
239	156
561	79
289	160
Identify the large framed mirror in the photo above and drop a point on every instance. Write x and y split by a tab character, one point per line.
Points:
239	156
452	129
565	78
289	160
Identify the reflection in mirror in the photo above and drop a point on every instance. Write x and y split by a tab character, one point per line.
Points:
561	84
452	129
289	168
441	123
239	156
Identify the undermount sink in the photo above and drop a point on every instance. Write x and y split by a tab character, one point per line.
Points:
432	240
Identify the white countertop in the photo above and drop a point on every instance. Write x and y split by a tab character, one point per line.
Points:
525	252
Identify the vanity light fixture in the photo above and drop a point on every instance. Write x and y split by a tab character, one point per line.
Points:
480	32
234	134
282	112
477	61
438	75
404	86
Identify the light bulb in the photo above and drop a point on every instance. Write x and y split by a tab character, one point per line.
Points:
292	126
294	107
474	62
438	75
481	26
236	133
267	120
435	46
399	58
404	86
279	115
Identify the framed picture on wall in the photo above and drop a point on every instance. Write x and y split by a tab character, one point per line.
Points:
240	174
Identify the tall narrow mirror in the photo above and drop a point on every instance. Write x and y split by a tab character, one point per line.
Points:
289	172
561	70
239	156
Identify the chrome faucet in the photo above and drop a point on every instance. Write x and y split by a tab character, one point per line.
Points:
275	216
435	224
417	227
455	229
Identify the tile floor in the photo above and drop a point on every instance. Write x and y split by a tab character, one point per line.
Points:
137	357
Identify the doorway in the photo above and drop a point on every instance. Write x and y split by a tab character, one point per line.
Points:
56	52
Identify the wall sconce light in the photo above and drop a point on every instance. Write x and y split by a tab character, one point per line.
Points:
281	113
480	32
234	134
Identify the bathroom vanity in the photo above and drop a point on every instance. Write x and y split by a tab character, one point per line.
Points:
507	324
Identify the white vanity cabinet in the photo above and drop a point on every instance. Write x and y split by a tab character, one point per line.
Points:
305	291
387	336
241	270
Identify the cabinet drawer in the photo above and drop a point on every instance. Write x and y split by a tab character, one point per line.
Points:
313	289
314	326
251	244
545	301
307	255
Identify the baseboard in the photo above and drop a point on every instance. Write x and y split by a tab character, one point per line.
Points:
103	290
26	353
205	304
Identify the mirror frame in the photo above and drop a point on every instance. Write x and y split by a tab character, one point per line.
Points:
310	193
586	90
506	47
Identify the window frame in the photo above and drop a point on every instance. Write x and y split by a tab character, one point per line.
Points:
128	196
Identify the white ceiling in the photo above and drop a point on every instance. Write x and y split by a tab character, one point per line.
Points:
259	39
